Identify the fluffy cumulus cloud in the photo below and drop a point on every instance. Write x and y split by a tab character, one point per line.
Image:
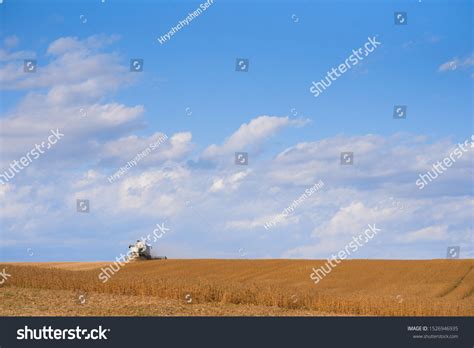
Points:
173	148
212	211
251	134
65	93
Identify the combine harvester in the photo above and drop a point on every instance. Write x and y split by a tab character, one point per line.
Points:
142	251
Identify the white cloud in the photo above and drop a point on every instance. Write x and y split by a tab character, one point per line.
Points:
229	183
251	134
457	63
163	148
6	55
77	78
426	234
73	68
348	220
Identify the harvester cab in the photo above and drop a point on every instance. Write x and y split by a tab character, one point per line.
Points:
140	250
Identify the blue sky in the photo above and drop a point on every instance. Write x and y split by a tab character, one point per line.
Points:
190	91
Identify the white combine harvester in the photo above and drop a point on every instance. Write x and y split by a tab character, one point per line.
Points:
142	251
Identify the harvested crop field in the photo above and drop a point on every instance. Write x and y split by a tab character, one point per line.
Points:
241	287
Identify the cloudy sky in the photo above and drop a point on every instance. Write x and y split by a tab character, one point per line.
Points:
190	91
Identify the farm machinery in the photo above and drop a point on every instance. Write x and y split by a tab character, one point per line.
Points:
142	251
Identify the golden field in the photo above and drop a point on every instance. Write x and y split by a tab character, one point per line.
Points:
241	287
